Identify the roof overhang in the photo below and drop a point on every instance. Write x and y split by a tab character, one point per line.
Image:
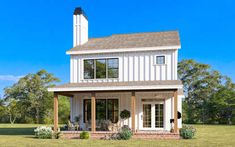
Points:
118	86
114	88
98	51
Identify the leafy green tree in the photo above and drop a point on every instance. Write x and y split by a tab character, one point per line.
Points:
2	110
32	95
204	90
64	109
222	104
13	110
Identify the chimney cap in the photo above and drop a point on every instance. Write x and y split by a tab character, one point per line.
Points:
79	11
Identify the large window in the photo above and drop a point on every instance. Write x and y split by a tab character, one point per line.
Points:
106	109
112	68
87	110
101	68
112	109
88	69
101	109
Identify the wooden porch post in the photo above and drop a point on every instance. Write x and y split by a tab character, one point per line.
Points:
55	112
176	111
133	103
93	112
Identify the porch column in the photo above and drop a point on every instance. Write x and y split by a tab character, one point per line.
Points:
55	112
176	111
133	103
93	112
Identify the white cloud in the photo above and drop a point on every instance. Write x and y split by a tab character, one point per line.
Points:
10	78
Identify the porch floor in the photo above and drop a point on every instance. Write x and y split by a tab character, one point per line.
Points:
137	135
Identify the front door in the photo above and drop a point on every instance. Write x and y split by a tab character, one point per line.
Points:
152	116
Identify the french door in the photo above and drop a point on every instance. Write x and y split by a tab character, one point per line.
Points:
153	116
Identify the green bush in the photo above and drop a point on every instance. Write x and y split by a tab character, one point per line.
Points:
187	132
125	114
125	134
57	135
84	135
43	132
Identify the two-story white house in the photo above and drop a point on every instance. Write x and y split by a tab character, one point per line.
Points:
135	72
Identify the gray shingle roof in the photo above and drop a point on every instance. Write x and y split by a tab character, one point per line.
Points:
130	83
137	40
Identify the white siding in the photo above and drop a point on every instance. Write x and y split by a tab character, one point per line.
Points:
125	103
133	66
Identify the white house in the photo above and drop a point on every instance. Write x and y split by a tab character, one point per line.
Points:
136	72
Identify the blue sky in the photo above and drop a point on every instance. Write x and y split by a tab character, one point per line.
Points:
34	35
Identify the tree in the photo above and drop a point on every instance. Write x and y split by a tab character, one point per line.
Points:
64	109
2	110
222	103
202	87
32	95
13	110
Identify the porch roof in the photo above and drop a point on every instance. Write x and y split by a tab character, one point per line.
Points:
117	86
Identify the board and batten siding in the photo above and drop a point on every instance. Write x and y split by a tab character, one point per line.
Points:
133	66
125	103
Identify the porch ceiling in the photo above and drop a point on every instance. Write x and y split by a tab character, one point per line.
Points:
118	86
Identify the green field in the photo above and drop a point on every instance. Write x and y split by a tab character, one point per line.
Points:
207	135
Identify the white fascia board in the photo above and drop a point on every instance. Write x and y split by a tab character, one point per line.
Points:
113	88
97	51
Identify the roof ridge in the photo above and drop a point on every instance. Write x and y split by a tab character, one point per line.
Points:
134	33
146	32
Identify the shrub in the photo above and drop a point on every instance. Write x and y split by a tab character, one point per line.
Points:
43	132
84	135
114	136
57	135
187	132
125	114
125	133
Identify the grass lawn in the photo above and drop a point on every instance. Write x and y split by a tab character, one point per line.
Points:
207	135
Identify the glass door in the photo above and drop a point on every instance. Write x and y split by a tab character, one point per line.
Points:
147	116
152	117
159	115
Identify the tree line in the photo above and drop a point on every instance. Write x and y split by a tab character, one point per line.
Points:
28	100
209	97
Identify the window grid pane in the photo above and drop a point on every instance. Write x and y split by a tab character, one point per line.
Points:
100	109
89	69
160	59
101	68
147	115
113	68
102	106
159	115
87	110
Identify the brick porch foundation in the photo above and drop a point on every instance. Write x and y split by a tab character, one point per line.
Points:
137	135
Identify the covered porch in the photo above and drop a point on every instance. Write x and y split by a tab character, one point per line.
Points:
138	97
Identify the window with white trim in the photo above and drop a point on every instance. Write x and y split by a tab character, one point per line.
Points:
101	68
160	60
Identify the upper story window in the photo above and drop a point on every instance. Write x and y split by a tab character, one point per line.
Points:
160	59
101	68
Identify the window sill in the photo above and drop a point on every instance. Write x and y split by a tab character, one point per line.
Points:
101	80
159	64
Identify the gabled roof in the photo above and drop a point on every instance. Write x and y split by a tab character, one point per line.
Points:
136	40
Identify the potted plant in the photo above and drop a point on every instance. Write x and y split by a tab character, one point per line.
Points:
77	122
125	114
